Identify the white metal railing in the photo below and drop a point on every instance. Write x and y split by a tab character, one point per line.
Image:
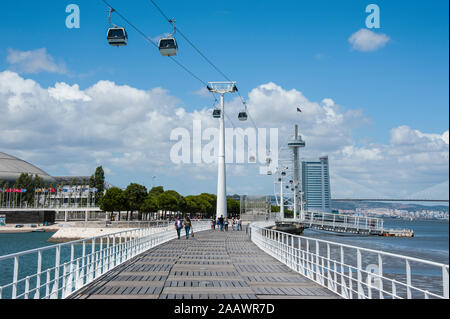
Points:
354	272
57	271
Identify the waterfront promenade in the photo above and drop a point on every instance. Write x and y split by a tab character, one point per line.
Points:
212	265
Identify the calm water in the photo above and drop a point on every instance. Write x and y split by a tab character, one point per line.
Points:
12	243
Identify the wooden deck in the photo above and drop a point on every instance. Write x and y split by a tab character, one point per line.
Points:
213	265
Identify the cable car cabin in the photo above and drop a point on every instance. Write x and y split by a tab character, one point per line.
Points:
269	172
242	116
216	113
117	36
168	46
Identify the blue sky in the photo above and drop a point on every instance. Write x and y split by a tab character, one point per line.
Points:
301	45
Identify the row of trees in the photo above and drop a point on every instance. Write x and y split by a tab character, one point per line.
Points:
136	198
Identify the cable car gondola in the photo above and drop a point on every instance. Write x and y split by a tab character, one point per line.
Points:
168	45
217	113
242	116
116	36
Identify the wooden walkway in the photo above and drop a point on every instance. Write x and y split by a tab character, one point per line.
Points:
213	265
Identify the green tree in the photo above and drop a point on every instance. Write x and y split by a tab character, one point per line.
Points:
135	195
181	201
150	205
198	205
212	199
113	200
192	206
156	191
25	181
98	181
167	202
275	209
233	207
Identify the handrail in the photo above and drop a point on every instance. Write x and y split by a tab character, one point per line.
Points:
71	272
331	265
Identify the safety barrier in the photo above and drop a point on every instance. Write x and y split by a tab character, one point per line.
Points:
57	271
351	271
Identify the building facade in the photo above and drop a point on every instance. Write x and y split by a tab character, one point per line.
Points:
316	185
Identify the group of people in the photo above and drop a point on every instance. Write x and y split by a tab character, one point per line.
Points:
186	224
222	223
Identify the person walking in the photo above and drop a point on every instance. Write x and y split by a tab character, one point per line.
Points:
221	222
239	223
226	223
178	226
187	226
233	223
213	224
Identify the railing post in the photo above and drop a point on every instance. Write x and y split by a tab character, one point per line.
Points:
318	271
408	280
15	277
27	287
380	273
292	253
47	285
329	283
58	258
394	290
38	277
359	274
445	279
343	284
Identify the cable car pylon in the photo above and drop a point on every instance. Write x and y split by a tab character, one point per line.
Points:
221	88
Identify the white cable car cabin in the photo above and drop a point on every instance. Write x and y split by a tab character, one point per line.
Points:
117	36
168	46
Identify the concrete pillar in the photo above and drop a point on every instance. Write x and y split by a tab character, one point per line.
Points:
66	216
86	216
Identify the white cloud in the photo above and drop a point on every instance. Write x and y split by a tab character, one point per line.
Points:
34	61
64	92
68	130
365	40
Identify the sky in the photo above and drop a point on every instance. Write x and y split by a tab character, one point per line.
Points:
374	100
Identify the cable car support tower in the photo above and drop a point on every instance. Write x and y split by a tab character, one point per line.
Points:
221	88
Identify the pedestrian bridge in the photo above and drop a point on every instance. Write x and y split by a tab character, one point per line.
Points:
341	223
255	263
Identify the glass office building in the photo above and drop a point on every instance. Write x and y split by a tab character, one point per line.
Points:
316	185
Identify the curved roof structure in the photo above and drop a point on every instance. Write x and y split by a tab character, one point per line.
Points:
11	167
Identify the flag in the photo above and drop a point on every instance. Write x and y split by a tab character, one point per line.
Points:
23	190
